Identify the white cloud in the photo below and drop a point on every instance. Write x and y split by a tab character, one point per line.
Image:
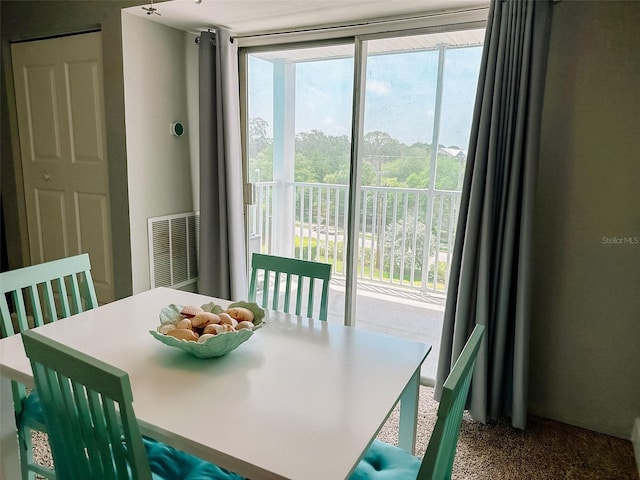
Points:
378	87
332	126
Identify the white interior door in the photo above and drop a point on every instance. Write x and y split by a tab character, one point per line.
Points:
60	109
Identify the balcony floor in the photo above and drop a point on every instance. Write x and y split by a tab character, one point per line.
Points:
394	311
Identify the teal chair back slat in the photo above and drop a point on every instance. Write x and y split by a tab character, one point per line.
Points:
49	300
50	278
64	299
37	295
290	271
89	408
437	462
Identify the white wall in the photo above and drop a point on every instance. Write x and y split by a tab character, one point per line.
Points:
21	20
156	60
585	346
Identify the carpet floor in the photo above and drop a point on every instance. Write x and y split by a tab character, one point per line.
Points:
547	450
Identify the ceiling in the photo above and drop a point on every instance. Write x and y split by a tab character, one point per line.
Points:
252	17
422	42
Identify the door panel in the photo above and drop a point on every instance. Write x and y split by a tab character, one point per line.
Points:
51	223
85	112
42	113
60	107
91	210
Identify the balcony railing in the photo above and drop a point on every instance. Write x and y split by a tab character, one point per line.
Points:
405	236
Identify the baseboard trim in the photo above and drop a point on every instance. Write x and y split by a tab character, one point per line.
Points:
635	438
607	429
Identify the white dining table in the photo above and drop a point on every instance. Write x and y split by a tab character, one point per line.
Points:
301	399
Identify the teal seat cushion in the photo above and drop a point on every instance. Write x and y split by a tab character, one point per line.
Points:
167	463
32	409
386	462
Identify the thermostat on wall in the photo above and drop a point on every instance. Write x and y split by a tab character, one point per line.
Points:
177	129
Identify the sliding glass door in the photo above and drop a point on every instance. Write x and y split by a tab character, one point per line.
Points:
299	110
419	95
411	113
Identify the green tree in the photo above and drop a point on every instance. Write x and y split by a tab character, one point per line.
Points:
258	139
261	167
305	170
419	179
393	243
327	153
378	149
449	172
323	158
341	177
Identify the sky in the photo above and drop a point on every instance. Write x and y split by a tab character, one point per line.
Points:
399	100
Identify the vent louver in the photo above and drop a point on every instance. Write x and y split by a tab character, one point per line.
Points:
173	249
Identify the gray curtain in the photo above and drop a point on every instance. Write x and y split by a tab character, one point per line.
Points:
491	267
222	270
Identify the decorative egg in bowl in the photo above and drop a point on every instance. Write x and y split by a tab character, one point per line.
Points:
209	330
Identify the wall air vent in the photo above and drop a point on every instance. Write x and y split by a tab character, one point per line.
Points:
173	249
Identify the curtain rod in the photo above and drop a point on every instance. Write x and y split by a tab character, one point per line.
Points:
371	23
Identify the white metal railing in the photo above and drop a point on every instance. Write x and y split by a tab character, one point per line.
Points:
393	245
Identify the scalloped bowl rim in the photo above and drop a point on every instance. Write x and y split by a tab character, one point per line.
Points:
216	346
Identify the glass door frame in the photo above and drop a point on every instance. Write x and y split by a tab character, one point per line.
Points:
358	36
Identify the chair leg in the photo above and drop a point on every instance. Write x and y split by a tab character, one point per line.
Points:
26	453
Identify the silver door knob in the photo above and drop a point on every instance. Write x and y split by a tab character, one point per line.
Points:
46	176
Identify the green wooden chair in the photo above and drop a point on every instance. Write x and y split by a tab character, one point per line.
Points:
37	295
387	462
94	433
286	272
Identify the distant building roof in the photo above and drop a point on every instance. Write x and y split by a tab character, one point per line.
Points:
453	152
